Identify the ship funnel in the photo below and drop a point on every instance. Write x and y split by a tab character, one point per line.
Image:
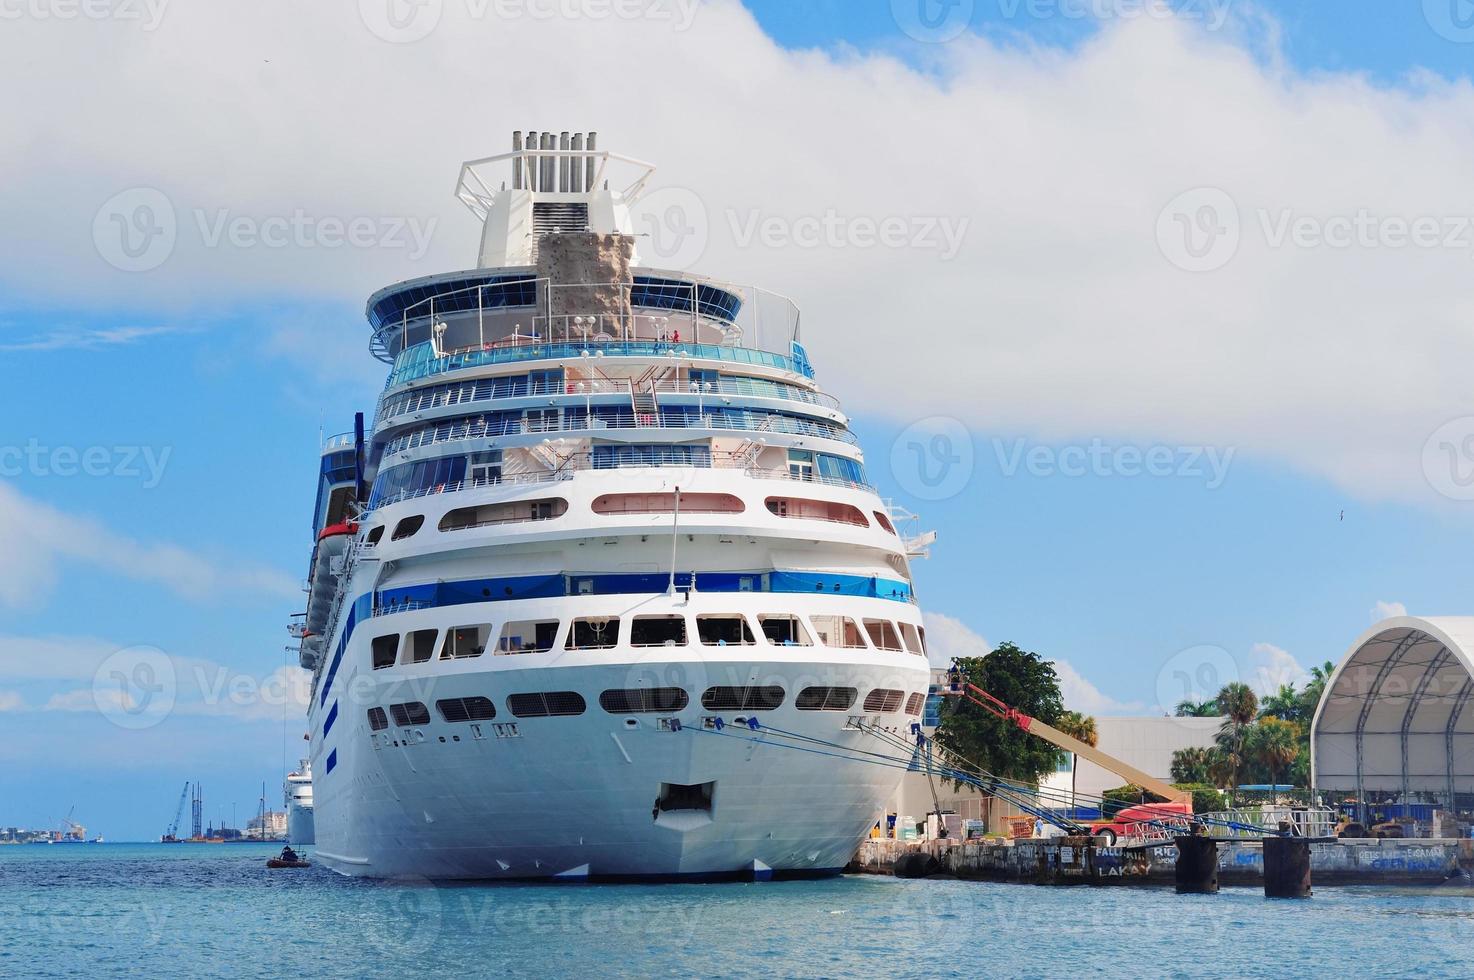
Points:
517	161
563	163
531	162
546	178
588	163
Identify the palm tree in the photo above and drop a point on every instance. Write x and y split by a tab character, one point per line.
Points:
1240	705
1276	743
1193	765
1082	728
1188	708
1283	704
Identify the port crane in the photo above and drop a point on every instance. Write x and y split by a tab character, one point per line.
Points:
964	688
173	835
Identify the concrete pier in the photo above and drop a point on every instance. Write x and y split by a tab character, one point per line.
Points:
1196	871
1082	861
1286	867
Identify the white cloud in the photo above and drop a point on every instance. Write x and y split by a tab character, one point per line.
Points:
65	338
1339	361
1271	667
948	638
39	538
1081	695
1387	610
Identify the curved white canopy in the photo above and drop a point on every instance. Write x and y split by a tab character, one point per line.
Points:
1395	716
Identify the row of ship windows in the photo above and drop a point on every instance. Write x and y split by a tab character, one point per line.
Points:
553	383
602	633
646	700
463	518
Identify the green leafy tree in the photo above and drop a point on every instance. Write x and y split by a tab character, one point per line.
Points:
1206	799
1275	743
1240	704
1081	727
1197	709
1193	765
1025	681
1285	704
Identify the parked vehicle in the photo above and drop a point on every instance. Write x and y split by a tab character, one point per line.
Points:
1141	820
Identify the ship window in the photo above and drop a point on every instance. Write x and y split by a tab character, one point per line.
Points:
643	700
421	646
884	522
546	704
408	526
665	503
911	637
410	713
838	631
914	703
883	700
593	633
386	650
658	631
883	634
514	512
375	535
825	698
817	510
377	720
528	636
801	465
756	698
465	641
785	631
721	631
466	709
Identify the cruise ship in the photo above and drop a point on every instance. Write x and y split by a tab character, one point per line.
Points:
605	559
297	794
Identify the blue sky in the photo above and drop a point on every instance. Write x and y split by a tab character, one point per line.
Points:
1115	573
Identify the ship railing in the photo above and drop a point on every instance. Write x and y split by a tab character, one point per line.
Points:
340	440
395	406
424	362
400	605
455	430
584	462
650	306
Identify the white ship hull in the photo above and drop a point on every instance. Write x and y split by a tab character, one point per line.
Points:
573	796
300	824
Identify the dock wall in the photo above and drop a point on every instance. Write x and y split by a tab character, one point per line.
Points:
1079	860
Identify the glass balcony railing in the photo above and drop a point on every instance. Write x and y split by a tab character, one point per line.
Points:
420	361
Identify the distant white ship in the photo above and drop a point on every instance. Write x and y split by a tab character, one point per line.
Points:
298	793
603	521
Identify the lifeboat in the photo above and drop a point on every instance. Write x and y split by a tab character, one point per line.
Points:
322	581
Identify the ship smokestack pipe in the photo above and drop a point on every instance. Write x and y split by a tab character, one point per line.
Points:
547	168
532	176
575	165
588	163
517	161
563	164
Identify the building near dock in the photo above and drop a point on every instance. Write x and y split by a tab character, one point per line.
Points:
1393	736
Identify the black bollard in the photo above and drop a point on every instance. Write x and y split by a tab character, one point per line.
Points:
1197	865
1286	867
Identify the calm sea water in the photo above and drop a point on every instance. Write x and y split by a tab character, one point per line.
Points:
202	910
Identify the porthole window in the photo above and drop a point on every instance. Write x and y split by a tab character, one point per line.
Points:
407	527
